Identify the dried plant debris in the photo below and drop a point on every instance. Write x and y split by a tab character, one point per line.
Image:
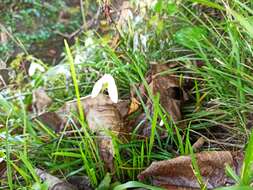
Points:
104	118
81	182
198	144
52	120
179	171
167	84
163	80
41	100
53	182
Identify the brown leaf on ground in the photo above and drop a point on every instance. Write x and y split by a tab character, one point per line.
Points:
41	100
179	171
198	144
81	182
133	106
100	112
163	80
123	106
168	86
103	118
53	182
52	120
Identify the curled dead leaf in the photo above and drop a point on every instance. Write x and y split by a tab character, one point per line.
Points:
103	118
133	106
168	86
179	171
41	100
163	80
52	120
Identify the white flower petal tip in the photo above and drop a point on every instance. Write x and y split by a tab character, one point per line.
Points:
34	67
107	81
161	123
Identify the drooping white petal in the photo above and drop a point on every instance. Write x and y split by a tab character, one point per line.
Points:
33	67
60	69
106	81
97	88
161	123
31	70
112	90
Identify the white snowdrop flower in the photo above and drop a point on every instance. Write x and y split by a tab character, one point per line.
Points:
144	39
35	67
107	81
136	41
161	123
58	70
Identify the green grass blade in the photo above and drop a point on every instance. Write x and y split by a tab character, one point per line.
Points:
247	173
135	184
74	77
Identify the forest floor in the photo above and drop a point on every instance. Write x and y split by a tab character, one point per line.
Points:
126	94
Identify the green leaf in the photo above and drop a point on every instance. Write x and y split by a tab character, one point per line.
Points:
105	183
243	21
172	8
190	36
247	173
158	6
235	188
135	184
209	4
230	172
67	154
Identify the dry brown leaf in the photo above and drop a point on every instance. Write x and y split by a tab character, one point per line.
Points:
167	85
100	112
179	171
135	104
41	100
198	144
103	117
52	120
172	96
123	107
81	182
53	182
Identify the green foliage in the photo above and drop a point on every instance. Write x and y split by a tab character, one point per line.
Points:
190	36
186	34
34	22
